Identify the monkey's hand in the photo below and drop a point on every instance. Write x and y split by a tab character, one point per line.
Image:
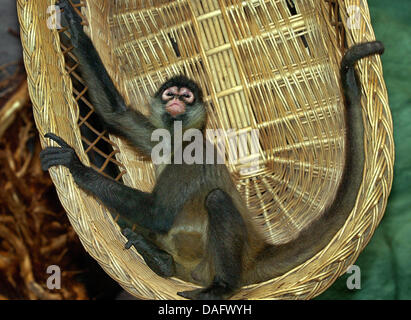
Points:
59	156
73	20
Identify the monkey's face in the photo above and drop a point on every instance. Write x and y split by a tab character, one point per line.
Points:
178	99
175	100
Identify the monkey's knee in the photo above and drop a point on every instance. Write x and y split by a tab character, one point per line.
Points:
215	196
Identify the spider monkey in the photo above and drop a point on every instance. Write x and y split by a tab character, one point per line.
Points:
194	224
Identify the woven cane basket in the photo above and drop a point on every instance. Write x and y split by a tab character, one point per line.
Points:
265	65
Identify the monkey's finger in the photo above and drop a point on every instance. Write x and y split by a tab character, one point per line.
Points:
62	157
61	3
73	20
127	232
57	139
132	237
49	150
54	151
69	11
51	162
128	244
192	295
47	165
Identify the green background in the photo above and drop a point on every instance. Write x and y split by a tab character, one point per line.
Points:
385	263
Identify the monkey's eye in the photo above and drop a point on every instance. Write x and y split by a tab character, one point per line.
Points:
169	93
187	95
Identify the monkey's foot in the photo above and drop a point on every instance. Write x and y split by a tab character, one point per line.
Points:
158	260
217	291
73	20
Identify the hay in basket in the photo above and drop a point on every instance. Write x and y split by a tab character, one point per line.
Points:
270	65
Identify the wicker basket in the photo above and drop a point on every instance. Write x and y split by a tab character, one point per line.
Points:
263	64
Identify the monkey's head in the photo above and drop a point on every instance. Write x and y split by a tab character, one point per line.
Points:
178	99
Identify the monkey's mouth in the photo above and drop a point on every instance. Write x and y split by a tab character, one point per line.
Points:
176	108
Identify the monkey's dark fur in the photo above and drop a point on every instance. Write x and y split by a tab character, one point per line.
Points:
194	225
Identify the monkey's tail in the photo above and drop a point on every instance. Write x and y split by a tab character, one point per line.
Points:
360	51
275	260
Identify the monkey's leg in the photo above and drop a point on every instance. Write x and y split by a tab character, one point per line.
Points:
158	260
227	234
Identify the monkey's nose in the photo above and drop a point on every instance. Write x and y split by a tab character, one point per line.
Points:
175	107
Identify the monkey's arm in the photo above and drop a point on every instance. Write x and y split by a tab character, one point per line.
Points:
133	205
107	101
